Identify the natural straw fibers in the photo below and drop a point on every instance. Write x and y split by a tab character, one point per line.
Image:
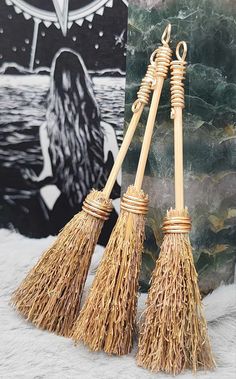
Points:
50	294
106	321
174	334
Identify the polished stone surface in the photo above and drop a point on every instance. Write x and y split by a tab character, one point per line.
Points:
209	29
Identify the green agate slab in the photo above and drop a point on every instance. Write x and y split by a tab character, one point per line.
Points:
209	28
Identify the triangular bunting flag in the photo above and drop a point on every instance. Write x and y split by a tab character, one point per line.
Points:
17	10
47	23
100	11
79	21
26	16
109	4
90	17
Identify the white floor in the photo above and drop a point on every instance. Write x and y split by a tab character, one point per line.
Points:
26	352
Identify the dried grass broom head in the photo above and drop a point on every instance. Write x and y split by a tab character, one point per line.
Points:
50	294
107	318
174	336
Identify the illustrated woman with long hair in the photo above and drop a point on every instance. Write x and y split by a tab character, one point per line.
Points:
78	147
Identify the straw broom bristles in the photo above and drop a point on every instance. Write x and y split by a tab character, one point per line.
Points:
107	318
174	333
50	294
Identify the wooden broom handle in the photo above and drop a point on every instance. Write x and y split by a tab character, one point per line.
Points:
178	69
143	95
162	60
178	149
122	152
148	133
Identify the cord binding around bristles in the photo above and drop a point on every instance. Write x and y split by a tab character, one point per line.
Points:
176	224
96	209
134	204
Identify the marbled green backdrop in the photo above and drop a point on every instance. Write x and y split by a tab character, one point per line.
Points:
209	28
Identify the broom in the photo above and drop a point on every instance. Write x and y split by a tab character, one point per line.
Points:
174	333
50	294
107	319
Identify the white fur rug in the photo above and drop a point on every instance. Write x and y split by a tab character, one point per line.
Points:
26	352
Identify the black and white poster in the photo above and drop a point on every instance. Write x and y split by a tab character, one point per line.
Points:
62	78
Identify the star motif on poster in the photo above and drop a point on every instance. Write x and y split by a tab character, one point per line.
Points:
61	8
62	14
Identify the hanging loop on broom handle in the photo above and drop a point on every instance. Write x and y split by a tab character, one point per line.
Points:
165	38
178	70
143	96
161	58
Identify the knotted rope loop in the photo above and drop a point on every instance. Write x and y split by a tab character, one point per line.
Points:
181	45
165	39
178	71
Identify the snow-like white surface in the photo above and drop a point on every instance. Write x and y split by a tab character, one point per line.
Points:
26	352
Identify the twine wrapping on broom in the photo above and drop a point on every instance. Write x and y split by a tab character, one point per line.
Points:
173	335
176	224
107	319
50	294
